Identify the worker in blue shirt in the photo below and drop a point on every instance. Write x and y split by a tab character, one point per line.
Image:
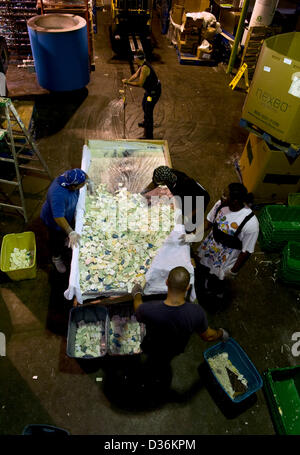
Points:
58	212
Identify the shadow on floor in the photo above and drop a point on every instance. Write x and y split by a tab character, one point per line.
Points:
229	409
61	105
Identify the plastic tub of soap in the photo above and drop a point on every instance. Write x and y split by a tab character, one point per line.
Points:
92	313
124	312
241	361
24	240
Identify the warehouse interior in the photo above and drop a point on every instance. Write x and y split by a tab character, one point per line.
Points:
198	115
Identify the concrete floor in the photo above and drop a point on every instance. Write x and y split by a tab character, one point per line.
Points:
198	114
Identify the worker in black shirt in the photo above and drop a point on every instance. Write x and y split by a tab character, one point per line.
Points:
187	189
170	323
146	78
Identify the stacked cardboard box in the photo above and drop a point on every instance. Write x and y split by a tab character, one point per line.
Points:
188	6
191	35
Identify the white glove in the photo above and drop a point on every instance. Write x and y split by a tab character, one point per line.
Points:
230	275
186	238
90	186
74	238
225	336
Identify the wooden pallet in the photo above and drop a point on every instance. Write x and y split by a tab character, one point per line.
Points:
253	44
191	59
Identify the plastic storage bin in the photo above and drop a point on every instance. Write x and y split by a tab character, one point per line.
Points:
24	240
289	269
89	314
114	341
241	361
282	390
279	224
45	430
94	313
294	199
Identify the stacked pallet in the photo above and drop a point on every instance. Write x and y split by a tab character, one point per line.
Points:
253	44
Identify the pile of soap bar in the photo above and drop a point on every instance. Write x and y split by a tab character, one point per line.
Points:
124	335
90	339
218	364
20	259
118	241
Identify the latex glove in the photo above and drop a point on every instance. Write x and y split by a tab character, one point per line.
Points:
186	238
225	336
74	238
90	186
137	289
229	275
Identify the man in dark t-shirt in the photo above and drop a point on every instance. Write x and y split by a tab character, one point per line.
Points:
186	189
170	324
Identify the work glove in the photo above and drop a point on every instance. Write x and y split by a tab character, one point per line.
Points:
229	275
137	289
225	336
186	239
90	186
74	239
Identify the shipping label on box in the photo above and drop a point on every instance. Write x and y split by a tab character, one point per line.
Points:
273	102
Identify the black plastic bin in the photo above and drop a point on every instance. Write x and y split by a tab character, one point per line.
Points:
89	314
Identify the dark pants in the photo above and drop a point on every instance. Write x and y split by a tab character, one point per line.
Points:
56	242
148	108
208	286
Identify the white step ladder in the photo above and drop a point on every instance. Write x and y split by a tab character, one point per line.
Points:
20	146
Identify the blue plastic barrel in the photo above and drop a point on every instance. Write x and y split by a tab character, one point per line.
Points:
59	45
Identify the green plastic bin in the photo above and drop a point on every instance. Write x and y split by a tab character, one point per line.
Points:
24	240
289	269
279	224
294	199
282	390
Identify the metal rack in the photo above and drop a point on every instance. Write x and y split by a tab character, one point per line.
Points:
13	26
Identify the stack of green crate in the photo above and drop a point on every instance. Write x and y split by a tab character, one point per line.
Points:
289	270
279	224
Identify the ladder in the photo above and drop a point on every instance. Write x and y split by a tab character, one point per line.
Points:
19	145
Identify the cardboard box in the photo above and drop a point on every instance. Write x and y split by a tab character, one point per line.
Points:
273	102
194	6
229	20
177	13
203	55
268	173
188	48
191	23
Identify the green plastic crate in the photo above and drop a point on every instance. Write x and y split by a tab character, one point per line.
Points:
294	199
279	224
282	390
289	269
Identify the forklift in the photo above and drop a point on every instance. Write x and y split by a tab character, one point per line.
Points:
131	26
